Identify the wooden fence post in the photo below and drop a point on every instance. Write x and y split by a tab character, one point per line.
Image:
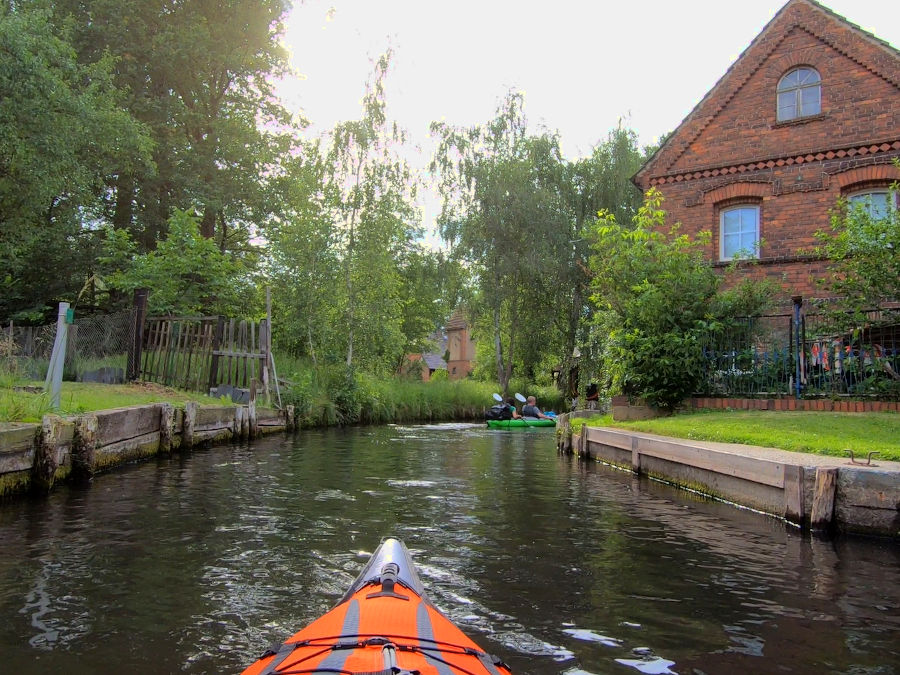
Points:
289	422
166	427
216	346
245	422
43	471
563	434
823	499
84	446
190	421
136	346
794	497
251	409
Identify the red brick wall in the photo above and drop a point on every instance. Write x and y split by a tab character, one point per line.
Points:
731	149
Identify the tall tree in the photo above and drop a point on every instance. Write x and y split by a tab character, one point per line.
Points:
502	215
379	221
599	182
200	76
61	133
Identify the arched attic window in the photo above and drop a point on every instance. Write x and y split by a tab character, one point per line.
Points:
799	94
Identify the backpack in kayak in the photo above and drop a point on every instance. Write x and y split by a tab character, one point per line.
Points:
498	412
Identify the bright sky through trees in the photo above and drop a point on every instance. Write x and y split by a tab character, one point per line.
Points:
582	65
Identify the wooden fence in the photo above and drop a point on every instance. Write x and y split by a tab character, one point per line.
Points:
200	353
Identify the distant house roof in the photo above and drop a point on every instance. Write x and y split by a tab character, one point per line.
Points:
457	321
434	361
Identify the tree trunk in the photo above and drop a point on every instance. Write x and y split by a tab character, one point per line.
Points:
208	223
351	314
124	211
502	375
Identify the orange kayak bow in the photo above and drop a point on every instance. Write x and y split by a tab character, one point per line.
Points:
384	625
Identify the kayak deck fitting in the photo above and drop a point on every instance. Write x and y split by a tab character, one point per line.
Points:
384	625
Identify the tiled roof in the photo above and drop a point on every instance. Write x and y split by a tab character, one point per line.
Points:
434	361
457	321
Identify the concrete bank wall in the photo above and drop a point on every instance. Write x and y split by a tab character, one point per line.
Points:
37	456
812	491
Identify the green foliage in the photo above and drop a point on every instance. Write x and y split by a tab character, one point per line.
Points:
61	129
200	76
514	213
351	282
334	395
187	273
864	255
657	300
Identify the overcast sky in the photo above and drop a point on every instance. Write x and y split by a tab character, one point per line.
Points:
582	65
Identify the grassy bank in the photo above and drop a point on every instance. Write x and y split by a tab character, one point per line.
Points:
325	396
825	433
26	402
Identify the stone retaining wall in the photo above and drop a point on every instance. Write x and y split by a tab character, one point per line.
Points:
36	456
813	491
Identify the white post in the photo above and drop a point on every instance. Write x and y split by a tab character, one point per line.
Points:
53	383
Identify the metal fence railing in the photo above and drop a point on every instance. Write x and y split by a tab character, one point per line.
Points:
806	355
96	350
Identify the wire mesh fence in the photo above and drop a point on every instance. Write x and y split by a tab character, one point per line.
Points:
97	349
806	354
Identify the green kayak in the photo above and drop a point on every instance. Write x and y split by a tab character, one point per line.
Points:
519	423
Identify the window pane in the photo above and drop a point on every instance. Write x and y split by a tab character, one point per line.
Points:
730	246
787	105
808	76
874	203
792	79
809	97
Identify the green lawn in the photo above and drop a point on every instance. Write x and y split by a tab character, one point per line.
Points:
825	433
80	397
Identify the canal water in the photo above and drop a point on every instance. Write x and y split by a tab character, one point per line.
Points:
197	563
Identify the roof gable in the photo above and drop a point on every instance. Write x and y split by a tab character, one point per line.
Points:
798	16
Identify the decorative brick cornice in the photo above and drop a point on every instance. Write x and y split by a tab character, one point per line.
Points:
787	160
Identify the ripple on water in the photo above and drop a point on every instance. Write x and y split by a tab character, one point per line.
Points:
650	666
591	636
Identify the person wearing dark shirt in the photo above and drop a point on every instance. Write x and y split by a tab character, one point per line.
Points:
530	409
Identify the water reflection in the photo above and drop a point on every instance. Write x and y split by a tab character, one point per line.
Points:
198	563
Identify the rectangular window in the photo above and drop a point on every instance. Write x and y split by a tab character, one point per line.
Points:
739	232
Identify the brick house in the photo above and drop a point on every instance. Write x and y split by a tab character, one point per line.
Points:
460	347
808	113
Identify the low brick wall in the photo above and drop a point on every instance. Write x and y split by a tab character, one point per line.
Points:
795	404
37	456
812	491
623	409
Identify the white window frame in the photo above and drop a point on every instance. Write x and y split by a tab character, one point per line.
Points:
749	253
858	196
797	90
